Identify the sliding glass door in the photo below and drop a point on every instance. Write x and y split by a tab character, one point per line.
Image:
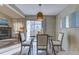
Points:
33	27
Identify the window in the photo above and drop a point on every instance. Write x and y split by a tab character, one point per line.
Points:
73	20
17	26
67	21
77	19
64	23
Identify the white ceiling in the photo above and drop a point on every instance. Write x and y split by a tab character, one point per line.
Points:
47	9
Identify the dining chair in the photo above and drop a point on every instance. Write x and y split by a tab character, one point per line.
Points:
58	42
25	43
42	42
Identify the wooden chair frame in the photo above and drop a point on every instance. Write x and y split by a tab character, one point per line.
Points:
42	45
53	50
23	45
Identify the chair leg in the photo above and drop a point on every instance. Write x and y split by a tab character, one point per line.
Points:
46	52
37	51
60	48
29	52
53	50
21	50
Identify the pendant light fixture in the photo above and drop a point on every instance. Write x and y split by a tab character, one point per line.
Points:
40	14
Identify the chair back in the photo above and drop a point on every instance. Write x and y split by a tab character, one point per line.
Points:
42	39
60	36
22	37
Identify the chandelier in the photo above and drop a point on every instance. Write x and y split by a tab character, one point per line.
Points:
40	15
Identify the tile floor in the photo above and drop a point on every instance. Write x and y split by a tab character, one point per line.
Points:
34	51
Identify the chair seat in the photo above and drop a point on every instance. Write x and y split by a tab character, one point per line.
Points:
26	43
41	47
56	43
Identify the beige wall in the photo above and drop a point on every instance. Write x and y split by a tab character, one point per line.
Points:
71	39
50	25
